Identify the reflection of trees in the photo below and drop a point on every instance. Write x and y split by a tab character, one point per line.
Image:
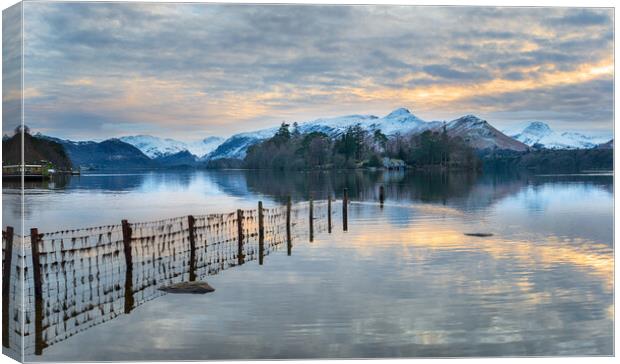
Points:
57	182
299	185
362	185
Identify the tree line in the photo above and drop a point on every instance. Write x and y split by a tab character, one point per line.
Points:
356	147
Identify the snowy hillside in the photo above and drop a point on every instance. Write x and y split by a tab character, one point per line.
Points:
155	147
236	146
539	134
479	134
398	121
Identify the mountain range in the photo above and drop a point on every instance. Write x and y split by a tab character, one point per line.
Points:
155	147
150	151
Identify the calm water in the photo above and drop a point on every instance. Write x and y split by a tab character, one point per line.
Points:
402	282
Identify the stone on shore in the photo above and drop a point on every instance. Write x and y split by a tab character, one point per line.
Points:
480	235
188	287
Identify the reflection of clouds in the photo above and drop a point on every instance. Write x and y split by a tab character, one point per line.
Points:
585	255
402	281
381	290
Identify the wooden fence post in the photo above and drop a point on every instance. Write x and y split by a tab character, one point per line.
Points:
261	233
311	217
289	241
345	202
240	256
192	248
329	213
6	284
128	266
38	292
381	195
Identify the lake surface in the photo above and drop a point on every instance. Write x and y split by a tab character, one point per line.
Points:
403	281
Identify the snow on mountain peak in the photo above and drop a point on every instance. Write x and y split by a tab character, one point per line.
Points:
398	113
540	134
538	128
155	147
471	119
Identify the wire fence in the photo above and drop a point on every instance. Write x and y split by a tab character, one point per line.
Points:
77	279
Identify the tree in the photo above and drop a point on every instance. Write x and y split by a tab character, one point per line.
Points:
282	136
296	132
380	139
21	128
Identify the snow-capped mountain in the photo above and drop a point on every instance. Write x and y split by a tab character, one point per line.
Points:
155	147
107	154
539	134
237	145
398	121
479	134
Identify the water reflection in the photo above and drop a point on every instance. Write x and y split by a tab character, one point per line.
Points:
402	282
78	279
93	199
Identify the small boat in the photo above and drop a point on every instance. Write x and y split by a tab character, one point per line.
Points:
27	171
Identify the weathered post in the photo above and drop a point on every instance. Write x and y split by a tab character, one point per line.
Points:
289	241
6	284
381	195
240	256
261	233
128	266
38	292
192	247
311	219
345	202
329	213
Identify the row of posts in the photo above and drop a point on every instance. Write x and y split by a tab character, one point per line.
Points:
127	236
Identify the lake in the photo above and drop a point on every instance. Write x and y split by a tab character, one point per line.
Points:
402	281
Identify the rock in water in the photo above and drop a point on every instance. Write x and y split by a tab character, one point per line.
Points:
188	287
480	235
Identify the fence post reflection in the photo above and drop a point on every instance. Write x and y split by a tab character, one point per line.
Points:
128	266
261	233
289	241
345	202
6	284
192	248
311	219
240	256
38	292
152	254
329	213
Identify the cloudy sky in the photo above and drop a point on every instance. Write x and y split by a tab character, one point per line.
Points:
188	71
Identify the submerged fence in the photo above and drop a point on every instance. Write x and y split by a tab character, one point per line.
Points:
76	279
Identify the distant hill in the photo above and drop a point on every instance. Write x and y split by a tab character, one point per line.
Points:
479	134
607	145
155	147
35	150
108	154
180	159
540	135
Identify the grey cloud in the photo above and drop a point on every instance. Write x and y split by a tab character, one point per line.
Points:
582	106
251	48
444	71
584	17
